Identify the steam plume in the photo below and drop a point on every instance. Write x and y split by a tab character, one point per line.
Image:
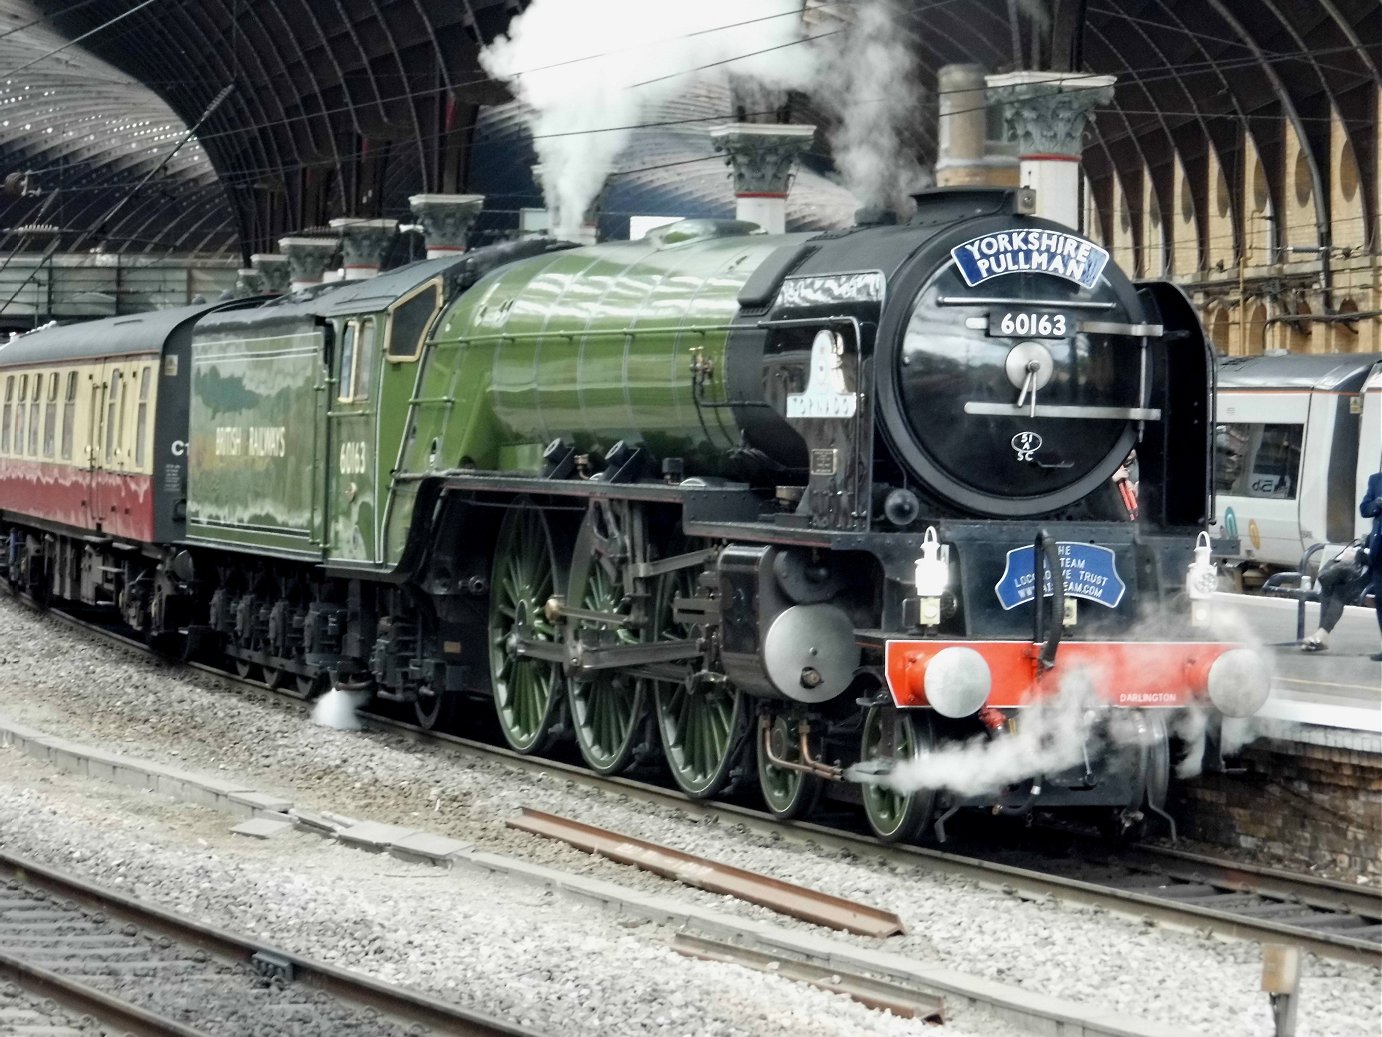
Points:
872	84
589	72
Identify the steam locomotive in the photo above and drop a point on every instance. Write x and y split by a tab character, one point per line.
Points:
800	510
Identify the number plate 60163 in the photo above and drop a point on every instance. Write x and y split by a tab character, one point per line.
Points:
1030	324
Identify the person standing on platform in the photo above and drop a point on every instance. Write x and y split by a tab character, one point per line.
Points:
1372	508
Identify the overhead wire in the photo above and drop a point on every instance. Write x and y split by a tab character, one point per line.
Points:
1179	72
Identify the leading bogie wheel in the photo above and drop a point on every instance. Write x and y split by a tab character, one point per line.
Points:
529	692
435	711
1152	743
891	736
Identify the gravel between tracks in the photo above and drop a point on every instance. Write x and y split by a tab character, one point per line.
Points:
530	954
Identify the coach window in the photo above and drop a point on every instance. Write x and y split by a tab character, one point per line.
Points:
20	410
345	378
7	416
35	402
50	417
141	432
69	415
112	411
409	320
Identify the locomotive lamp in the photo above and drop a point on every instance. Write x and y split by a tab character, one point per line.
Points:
1201	580
932	577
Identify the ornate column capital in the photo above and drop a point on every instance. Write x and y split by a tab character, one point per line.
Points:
762	155
273	270
363	244
446	220
248	281
308	258
1045	112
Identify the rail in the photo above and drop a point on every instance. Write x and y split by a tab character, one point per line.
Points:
362	992
784	897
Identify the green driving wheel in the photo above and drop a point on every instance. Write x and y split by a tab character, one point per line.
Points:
703	724
702	720
896	816
528	691
787	793
609	707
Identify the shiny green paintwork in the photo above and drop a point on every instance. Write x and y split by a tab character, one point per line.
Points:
254	436
336	437
594	345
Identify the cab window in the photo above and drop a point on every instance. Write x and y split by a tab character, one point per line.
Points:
346	377
409	321
357	360
364	359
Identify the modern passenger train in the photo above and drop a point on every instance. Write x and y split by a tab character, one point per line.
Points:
1295	439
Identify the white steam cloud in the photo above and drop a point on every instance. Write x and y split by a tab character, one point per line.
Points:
1057	733
337	709
872	82
590	72
1050	737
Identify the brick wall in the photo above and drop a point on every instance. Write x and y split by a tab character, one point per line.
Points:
1304	805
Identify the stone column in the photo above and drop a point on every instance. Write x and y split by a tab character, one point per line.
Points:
272	268
1045	113
308	259
763	157
966	157
446	220
363	244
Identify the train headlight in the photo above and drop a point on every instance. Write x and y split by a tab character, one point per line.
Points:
932	577
1239	682
1201	581
957	682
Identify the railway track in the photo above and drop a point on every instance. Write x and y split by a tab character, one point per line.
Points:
89	957
1157	885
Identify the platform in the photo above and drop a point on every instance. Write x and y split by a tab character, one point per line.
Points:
1339	688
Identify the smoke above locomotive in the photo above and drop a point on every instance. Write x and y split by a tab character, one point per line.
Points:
589	74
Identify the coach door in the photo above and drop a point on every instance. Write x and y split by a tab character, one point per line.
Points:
97	388
352	453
